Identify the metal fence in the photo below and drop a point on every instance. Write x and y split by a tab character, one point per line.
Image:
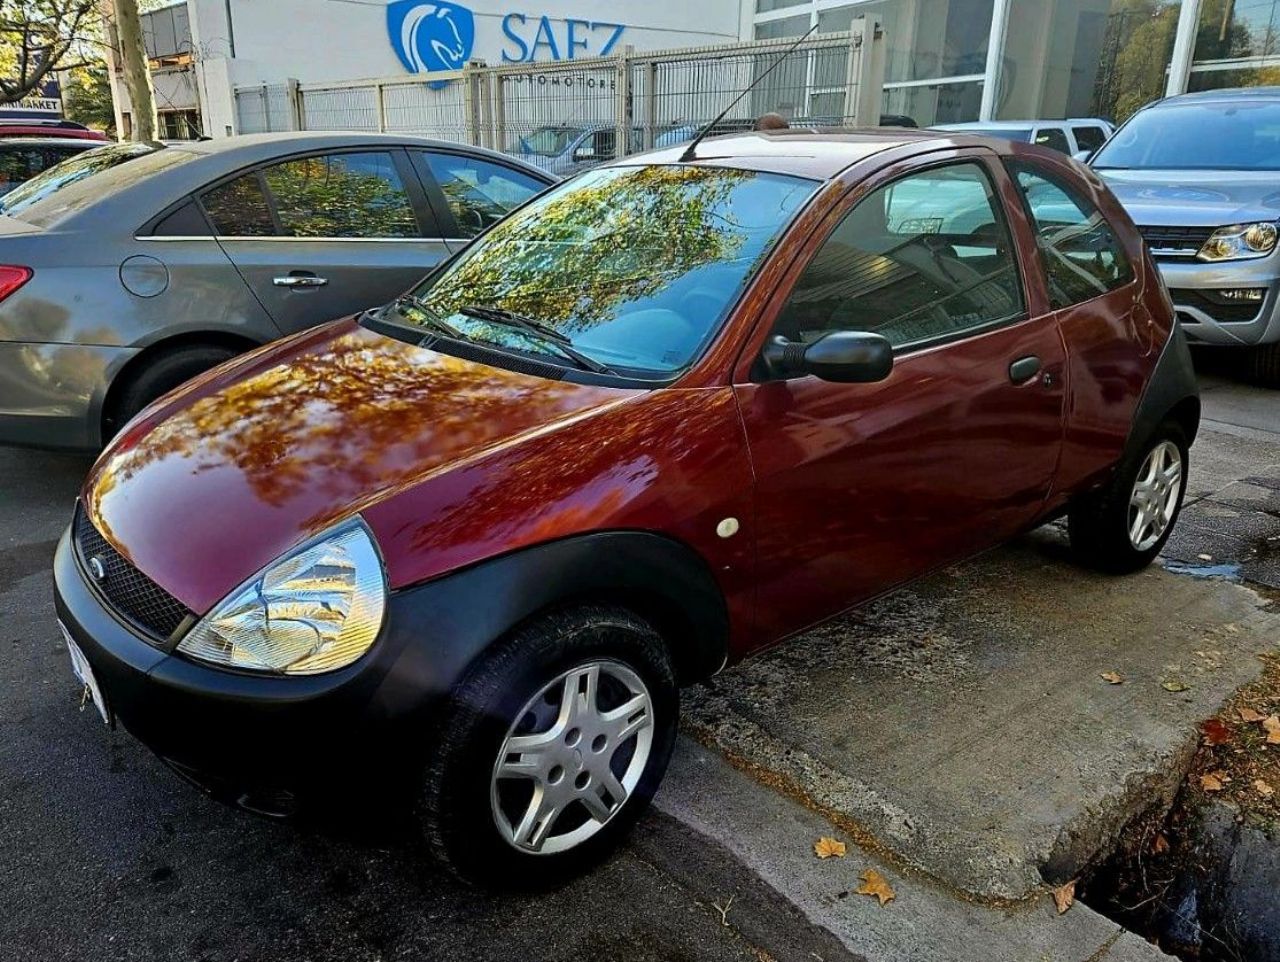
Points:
626	103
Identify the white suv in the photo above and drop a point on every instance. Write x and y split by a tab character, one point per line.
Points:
1075	136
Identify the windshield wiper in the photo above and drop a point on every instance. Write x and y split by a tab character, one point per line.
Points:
434	321
562	342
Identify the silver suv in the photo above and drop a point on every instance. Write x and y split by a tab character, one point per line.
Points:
1198	174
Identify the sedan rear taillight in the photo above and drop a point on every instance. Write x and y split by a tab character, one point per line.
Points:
11	278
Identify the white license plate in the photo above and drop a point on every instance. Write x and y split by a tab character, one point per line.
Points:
84	671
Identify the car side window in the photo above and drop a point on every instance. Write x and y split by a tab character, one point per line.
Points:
17	166
924	258
1089	138
1082	256
479	192
341	195
1052	137
239	208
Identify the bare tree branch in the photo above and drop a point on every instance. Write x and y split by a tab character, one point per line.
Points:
38	37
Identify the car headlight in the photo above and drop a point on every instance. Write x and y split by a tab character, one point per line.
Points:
1240	242
318	608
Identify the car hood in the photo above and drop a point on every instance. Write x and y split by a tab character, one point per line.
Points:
1195	198
218	479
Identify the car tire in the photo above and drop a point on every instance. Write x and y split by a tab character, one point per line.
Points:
1122	528
1264	365
160	376
482	819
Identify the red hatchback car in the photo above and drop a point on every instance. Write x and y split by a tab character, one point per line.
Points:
468	545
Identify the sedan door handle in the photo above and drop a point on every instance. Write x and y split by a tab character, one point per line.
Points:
1024	369
300	280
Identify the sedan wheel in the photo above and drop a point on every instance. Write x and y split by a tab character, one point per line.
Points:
573	757
1157	492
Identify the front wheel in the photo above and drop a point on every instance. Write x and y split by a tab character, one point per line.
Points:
1122	528
556	742
1264	365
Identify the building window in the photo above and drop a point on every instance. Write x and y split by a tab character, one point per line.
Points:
180	125
1237	45
1085	58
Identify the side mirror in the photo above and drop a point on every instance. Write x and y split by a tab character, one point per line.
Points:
843	357
1082	156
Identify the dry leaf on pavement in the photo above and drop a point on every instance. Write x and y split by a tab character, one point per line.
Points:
1174	685
1215	733
827	847
1160	844
1213	781
1272	724
1113	677
1263	789
1065	896
1251	717
875	884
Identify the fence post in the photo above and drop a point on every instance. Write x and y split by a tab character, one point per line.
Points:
650	103
294	98
486	110
265	98
866	75
499	110
380	98
471	100
622	102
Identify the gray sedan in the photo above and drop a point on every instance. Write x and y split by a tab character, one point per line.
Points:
129	269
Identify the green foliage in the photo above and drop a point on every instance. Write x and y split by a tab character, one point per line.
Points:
86	98
40	36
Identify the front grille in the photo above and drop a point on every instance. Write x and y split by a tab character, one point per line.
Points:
1220	310
127	590
1185	241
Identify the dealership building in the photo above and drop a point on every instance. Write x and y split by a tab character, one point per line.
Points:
944	60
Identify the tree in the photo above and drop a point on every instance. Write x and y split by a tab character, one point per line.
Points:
132	50
38	37
86	98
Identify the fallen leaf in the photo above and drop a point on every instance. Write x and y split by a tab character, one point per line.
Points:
1175	686
1160	844
1213	781
875	884
1263	788
827	847
1215	733
1251	717
1113	677
1272	724
1065	896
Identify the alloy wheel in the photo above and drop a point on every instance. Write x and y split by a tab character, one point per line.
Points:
572	758
1154	499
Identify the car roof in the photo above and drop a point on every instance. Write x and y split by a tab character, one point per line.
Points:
1225	95
805	152
34	140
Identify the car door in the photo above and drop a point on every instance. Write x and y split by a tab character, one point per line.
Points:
469	193
863	486
323	235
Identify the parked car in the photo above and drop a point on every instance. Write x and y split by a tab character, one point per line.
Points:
129	269
1077	135
30	127
21	158
463	549
565	149
1198	174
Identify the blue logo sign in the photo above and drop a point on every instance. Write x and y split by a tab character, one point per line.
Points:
431	36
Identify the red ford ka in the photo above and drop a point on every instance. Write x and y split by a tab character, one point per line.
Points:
465	548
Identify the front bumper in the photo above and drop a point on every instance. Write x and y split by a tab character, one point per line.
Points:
273	744
1206	318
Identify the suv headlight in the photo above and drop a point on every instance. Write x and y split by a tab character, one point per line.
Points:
1240	242
318	608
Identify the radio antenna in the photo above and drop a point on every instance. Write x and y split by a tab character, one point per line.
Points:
691	152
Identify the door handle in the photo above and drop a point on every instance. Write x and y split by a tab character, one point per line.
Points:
300	280
1024	369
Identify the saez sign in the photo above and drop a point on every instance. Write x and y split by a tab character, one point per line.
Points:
431	35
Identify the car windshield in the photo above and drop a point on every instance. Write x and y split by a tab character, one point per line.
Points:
75	182
548	141
1212	136
634	267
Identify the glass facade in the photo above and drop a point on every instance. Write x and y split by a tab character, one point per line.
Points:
1057	58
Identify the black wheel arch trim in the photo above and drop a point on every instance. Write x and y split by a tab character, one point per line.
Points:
455	617
1172	389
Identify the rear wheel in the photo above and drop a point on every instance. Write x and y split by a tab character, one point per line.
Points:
1122	528
556	742
159	376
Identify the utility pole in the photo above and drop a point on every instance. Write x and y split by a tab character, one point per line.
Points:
137	75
